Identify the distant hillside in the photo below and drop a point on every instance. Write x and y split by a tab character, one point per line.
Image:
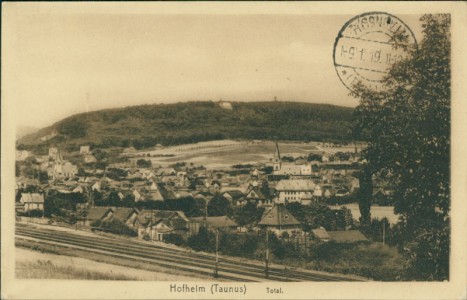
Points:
170	124
24	130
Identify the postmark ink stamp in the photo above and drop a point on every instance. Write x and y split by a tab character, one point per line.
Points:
366	48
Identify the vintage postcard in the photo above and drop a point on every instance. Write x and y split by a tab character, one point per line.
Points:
233	150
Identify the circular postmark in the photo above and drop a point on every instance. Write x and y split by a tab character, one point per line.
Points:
368	45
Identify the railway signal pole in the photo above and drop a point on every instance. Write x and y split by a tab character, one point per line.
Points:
216	270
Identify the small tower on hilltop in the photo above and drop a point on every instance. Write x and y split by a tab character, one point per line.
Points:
277	159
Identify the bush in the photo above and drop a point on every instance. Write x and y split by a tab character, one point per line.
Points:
203	241
35	213
175	239
118	227
146	237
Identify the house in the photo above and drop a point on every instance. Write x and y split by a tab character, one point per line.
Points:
317	192
32	201
321	234
347	236
235	197
256	195
166	172
342	192
99	213
328	191
84	150
89	158
126	215
157	223
96	187
212	223
278	219
138	196
293	190
53	151
21	155
154	195
78	189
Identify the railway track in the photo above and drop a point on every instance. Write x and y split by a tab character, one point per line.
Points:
228	269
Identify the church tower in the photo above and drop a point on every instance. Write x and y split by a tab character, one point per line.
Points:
277	159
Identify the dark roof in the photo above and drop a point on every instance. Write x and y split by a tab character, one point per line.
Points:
347	236
123	213
257	191
235	194
221	221
155	216
321	234
278	215
98	212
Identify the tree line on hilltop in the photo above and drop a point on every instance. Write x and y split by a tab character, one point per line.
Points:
190	122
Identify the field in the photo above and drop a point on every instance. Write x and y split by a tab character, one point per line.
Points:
376	212
35	261
374	260
223	154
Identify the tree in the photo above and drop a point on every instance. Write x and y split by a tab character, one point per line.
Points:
219	206
249	214
408	129
75	128
142	163
365	194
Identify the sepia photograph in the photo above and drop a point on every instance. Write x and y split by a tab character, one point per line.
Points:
232	150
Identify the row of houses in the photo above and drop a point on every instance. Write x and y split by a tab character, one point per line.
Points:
154	224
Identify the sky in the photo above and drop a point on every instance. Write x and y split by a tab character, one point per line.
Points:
59	63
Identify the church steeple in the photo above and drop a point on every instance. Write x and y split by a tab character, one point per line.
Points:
277	158
58	158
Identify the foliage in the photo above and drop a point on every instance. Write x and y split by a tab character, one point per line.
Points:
314	157
145	126
408	128
319	215
374	230
142	163
175	239
219	206
115	226
34	213
359	259
204	240
188	205
239	244
58	204
74	127
249	214
365	194
116	173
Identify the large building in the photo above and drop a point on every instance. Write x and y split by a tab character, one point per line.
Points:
278	219
295	190
293	169
62	169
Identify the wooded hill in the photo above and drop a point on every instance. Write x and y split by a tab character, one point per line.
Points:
189	122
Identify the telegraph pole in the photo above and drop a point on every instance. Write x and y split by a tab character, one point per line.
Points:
267	254
384	232
216	270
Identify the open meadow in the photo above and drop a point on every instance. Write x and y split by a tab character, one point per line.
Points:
222	154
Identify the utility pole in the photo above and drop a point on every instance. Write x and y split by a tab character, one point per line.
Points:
384	233
216	270
267	254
